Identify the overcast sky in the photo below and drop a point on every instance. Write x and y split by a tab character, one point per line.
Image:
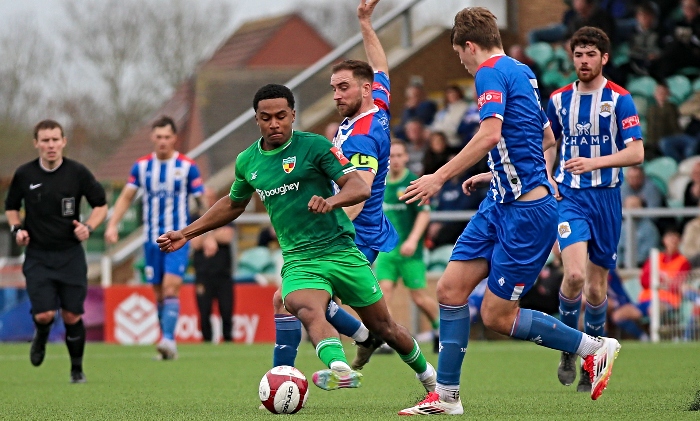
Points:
442	10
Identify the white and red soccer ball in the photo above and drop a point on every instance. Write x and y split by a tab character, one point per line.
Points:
283	390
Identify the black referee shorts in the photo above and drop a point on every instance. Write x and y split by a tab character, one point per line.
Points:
56	279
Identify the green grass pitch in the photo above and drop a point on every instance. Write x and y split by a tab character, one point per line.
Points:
501	380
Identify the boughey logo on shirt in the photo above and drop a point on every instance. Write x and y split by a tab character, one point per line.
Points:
289	163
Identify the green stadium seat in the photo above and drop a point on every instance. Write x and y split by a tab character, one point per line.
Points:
540	52
691	72
439	258
664	168
253	261
642	103
676	188
621	55
696	85
680	88
643	86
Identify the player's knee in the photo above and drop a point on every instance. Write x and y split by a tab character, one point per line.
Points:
450	293
70	318
45	317
575	278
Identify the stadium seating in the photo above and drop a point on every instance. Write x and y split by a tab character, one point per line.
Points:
643	86
253	261
540	52
621	54
439	258
696	85
680	88
642	104
676	190
660	171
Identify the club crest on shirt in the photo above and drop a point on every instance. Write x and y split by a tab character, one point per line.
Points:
400	192
288	164
564	230
178	173
605	109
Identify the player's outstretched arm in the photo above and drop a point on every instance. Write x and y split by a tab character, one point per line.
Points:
224	211
376	57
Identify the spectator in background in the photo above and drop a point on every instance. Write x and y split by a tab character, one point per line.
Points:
643	42
690	241
589	14
686	144
662	124
636	184
212	261
555	32
437	153
416	106
622	13
681	45
470	121
625	313
448	119
268	238
646	237
691	198
331	129
673	273
417	144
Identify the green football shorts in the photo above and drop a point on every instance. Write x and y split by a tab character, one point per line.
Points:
344	273
390	267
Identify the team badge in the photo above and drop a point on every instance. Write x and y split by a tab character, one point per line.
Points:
564	230
178	173
605	109
400	192
288	164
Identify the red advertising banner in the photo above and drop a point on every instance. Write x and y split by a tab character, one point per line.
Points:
131	315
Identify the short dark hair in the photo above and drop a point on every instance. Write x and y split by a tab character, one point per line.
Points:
164	121
273	91
47	125
360	69
478	25
589	35
648	7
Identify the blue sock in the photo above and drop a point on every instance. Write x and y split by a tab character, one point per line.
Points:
341	320
287	339
569	310
160	315
454	337
594	318
545	330
171	310
630	327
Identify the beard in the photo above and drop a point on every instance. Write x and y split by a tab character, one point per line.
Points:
593	73
349	109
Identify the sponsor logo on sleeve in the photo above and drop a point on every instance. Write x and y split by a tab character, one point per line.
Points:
339	156
630	122
490	96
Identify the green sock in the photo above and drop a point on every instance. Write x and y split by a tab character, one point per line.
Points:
415	359
435	324
329	350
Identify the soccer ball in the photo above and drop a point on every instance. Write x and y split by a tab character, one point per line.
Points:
283	390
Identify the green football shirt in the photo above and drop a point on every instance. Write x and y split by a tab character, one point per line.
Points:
402	215
285	179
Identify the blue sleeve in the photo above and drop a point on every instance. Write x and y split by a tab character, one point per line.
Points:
134	178
491	89
381	91
195	186
553	117
627	119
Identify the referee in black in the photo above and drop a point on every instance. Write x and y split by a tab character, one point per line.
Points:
55	269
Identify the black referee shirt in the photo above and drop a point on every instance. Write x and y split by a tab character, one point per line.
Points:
52	201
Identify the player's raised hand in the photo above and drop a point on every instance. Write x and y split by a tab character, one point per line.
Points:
80	231
317	204
171	241
365	9
476	182
580	165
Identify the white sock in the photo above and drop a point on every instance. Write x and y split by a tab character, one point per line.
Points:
361	334
589	345
340	366
427	373
448	393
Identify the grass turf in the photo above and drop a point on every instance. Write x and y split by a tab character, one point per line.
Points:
500	380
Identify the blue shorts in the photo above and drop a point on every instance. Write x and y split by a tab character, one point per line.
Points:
159	263
369	253
593	215
515	238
